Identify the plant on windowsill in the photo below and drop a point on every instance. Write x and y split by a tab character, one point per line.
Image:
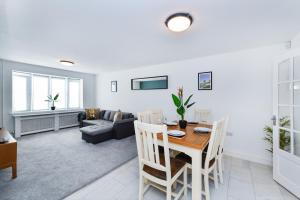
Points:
182	106
52	100
284	138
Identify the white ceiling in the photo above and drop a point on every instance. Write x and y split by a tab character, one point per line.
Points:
119	34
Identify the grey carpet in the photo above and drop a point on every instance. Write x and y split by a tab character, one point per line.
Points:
53	165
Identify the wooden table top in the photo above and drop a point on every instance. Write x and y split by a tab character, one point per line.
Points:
191	139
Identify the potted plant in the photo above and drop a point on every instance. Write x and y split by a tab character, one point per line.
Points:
284	138
182	106
52	100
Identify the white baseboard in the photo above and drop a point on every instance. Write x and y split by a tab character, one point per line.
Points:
248	157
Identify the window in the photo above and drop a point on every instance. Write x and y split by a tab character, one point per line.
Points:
31	90
40	91
58	86
20	90
74	93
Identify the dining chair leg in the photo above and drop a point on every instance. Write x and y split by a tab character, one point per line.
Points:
220	170
185	183
206	186
216	180
169	192
141	188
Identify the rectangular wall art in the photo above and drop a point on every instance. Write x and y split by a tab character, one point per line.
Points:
205	81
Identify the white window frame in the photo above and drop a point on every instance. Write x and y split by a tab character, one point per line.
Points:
30	92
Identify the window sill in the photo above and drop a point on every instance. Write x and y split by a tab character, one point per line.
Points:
46	112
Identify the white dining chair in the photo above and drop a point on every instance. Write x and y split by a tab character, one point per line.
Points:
151	116
202	116
221	150
144	117
158	169
209	158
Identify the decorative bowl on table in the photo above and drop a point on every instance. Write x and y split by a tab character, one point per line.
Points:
202	130
176	133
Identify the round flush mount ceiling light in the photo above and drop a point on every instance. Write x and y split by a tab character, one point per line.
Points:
179	22
66	62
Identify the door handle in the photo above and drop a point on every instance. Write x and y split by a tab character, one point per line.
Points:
274	120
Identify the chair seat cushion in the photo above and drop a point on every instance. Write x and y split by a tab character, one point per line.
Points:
188	159
176	166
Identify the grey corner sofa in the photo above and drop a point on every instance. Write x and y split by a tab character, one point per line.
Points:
103	128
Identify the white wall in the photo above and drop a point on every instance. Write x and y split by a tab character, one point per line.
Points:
296	41
242	88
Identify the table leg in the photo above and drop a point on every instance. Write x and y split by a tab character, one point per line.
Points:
14	170
196	175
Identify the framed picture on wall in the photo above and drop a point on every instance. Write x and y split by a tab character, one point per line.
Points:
114	86
205	81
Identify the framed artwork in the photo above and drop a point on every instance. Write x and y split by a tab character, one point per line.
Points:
150	83
205	81
114	86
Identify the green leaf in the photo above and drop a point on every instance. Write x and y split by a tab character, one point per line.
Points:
181	110
190	104
56	97
176	100
188	99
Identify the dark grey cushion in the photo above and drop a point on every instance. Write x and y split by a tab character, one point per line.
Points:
126	115
95	130
112	115
98	122
101	114
106	115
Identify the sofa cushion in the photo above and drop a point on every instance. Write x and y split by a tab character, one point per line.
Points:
126	115
98	122
112	115
101	114
106	115
95	130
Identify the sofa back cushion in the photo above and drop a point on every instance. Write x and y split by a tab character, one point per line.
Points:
106	115
126	115
101	114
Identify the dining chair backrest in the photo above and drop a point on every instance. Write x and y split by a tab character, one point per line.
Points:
224	134
147	146
151	116
202	115
214	141
144	117
156	117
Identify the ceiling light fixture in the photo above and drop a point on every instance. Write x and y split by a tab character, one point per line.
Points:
66	62
179	22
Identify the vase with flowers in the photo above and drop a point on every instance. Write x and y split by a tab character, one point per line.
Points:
182	106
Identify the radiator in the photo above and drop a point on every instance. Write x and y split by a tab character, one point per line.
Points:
68	120
37	124
34	123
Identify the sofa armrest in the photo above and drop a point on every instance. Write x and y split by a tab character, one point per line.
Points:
81	116
123	128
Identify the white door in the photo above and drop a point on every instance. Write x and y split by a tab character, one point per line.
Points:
286	156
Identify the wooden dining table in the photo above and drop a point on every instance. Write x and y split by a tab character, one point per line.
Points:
191	144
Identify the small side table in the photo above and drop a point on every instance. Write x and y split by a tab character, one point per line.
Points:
8	153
